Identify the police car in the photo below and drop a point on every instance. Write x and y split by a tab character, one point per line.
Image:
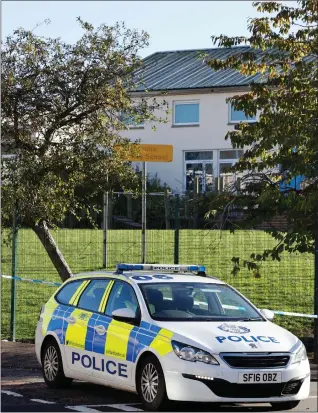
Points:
169	332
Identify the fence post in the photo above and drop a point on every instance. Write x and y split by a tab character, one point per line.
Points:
14	273
129	206
105	227
316	293
195	199
110	210
176	231
143	213
167	208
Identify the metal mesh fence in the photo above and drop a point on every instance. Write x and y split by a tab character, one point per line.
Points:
287	285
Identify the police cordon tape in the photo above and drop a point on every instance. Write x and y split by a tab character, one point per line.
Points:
59	284
29	280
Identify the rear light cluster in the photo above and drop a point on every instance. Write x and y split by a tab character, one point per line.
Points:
41	312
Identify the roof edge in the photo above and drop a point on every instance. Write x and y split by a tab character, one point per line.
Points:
197	50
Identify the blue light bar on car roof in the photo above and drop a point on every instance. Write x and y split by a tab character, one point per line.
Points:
160	267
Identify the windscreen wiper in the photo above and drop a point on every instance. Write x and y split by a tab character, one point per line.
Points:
251	319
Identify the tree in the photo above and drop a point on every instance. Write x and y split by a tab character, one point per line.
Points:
62	109
283	57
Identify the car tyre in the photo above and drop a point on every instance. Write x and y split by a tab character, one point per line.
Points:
151	384
279	406
52	366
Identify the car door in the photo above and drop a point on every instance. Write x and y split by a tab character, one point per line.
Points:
80	330
114	340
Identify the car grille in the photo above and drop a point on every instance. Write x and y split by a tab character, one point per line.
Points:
256	361
223	388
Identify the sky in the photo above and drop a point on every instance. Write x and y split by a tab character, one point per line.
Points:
172	25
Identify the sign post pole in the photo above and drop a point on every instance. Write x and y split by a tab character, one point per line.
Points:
105	228
144	214
148	153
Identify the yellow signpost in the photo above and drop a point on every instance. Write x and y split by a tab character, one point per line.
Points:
142	152
145	152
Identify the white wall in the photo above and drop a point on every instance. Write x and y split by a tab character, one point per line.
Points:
209	135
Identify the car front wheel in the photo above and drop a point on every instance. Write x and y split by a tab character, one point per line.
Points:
279	406
151	384
52	367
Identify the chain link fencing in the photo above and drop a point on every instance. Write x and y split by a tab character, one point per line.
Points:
176	233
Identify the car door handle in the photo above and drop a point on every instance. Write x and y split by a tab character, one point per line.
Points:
100	330
71	320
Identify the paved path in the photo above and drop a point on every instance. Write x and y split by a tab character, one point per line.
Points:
23	389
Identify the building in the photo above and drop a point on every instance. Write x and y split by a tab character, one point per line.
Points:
199	115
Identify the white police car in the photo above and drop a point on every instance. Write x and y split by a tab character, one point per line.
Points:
169	335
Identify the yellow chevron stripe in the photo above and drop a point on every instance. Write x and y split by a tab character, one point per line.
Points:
76	333
162	343
75	297
117	339
103	302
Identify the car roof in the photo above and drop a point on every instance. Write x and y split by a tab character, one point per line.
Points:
139	277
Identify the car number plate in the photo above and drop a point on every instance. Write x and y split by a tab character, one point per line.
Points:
260	377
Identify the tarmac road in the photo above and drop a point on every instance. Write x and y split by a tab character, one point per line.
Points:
23	390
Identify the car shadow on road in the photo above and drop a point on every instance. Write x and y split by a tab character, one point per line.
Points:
87	394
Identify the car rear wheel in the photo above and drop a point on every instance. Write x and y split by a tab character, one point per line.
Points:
279	406
151	385
52	366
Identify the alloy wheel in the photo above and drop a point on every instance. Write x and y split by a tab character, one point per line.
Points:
51	363
149	382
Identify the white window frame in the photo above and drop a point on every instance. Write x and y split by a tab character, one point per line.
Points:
216	162
235	122
184	102
197	161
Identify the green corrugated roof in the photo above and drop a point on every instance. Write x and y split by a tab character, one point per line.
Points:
185	69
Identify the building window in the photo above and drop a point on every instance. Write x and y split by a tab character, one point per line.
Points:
186	113
131	121
206	165
236	116
199	164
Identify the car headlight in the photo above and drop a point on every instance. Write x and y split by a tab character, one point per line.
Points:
190	353
300	355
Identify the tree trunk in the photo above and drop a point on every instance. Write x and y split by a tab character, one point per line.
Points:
56	256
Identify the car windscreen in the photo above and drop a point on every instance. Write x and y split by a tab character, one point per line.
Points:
187	301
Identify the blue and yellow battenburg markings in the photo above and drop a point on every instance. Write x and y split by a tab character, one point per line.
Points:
115	339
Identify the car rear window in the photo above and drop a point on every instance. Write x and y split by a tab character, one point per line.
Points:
67	292
93	294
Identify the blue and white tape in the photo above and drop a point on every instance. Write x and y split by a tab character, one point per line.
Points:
294	314
59	284
29	280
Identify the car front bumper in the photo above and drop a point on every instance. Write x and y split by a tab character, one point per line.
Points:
199	382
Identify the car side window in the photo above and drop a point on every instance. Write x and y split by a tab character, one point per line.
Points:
92	295
67	292
122	296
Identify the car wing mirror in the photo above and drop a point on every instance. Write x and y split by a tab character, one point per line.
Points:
125	315
268	314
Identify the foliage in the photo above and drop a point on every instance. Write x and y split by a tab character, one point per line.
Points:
282	144
62	108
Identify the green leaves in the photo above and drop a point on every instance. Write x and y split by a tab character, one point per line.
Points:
61	107
283	143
